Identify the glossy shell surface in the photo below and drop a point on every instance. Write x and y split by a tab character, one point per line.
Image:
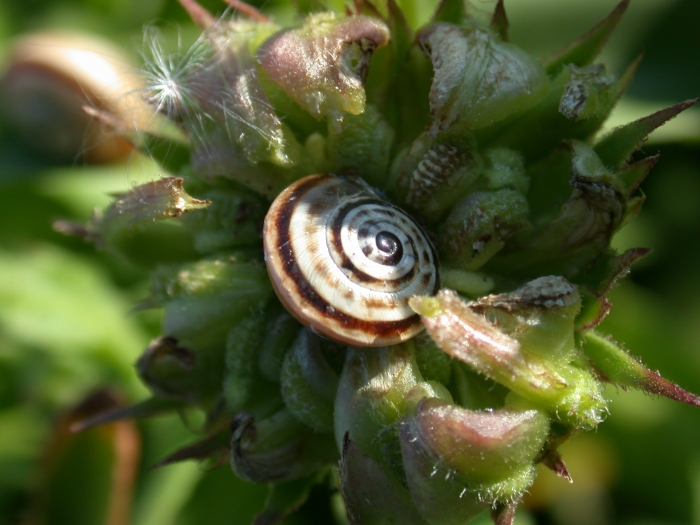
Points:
345	262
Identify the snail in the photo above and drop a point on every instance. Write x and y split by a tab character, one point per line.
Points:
345	262
52	76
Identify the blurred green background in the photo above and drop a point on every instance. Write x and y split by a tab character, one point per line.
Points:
66	330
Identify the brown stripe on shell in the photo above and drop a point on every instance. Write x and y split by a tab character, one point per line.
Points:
293	286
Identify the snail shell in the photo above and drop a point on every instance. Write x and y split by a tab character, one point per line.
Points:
51	76
345	263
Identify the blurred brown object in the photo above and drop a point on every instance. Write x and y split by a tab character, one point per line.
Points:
51	77
88	477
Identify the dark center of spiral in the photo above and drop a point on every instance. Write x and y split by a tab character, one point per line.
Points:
389	246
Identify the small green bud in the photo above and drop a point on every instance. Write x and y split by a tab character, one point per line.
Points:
202	300
479	226
278	448
244	389
308	383
503	168
322	65
473	284
435	173
583	227
176	372
281	331
376	389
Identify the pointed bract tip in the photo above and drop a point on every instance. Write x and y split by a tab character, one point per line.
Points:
553	461
499	20
73	229
247	10
616	148
212	446
200	16
503	514
453	11
147	408
589	45
654	383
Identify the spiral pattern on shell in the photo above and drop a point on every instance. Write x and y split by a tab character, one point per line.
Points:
345	263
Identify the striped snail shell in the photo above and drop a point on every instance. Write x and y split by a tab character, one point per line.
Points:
345	263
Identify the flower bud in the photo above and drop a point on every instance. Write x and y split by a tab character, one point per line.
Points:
322	65
479	226
479	80
278	448
134	226
458	462
583	227
435	173
213	92
244	388
503	169
176	372
577	103
590	92
524	341
280	333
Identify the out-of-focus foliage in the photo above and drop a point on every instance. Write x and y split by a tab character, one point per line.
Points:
66	330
